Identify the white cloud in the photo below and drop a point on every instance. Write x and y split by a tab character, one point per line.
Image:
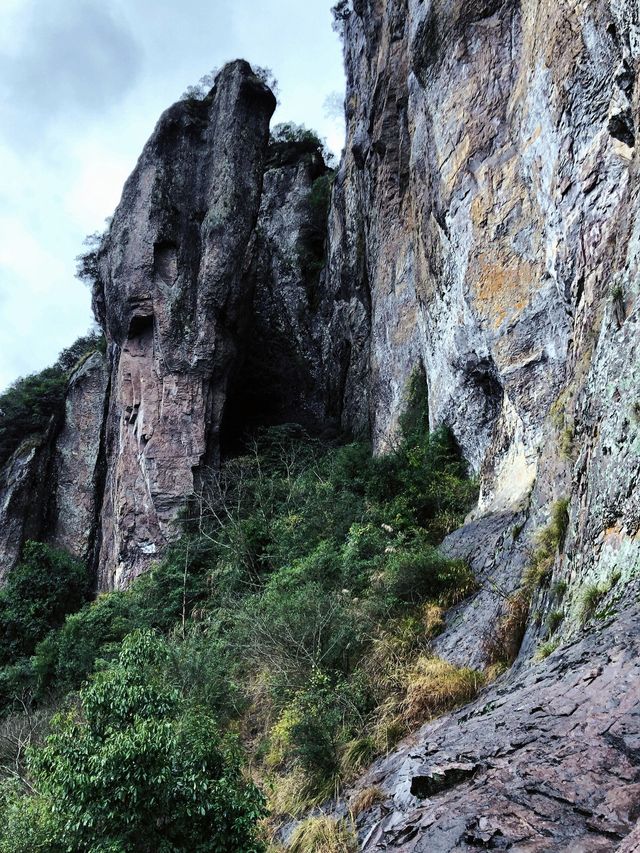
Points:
82	84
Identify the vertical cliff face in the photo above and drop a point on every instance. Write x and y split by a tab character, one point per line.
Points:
77	461
481	214
484	233
486	230
278	378
24	501
173	301
50	488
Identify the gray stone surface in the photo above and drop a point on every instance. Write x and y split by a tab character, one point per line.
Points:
173	301
24	498
78	487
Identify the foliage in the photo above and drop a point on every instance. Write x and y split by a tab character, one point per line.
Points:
341	12
65	658
311	249
134	767
30	404
554	620
590	598
297	609
323	835
547	649
201	90
40	591
291	133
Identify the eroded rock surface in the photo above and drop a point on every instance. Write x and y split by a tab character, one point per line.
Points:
174	302
279	377
486	229
77	453
24	498
546	761
481	215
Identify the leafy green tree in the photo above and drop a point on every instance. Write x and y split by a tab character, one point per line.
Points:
41	590
136	768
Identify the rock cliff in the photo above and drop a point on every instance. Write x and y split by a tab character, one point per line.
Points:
485	231
484	234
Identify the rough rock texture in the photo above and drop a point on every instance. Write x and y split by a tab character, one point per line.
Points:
546	761
279	376
77	453
486	229
173	303
24	498
480	215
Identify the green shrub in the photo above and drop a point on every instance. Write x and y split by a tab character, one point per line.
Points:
65	658
423	572
41	590
161	777
305	588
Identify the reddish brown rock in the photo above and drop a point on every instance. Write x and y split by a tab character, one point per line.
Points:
173	301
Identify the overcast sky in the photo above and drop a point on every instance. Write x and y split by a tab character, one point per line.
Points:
82	83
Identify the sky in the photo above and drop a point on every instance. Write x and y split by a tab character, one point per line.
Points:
82	84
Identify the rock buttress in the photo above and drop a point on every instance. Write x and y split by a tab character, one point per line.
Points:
480	215
173	300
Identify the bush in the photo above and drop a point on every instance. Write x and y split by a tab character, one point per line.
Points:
41	590
65	658
413	575
305	590
30	404
161	777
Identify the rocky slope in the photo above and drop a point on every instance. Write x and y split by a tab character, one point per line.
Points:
484	233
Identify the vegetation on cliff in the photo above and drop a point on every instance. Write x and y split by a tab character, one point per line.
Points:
30	404
297	611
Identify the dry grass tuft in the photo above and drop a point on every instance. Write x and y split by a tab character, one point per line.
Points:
433	619
323	835
436	686
365	800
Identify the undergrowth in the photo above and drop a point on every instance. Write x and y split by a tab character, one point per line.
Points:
298	610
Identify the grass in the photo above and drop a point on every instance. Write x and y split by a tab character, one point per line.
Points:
559	589
323	835
294	793
566	442
502	644
358	754
554	620
546	649
364	800
436	686
592	595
